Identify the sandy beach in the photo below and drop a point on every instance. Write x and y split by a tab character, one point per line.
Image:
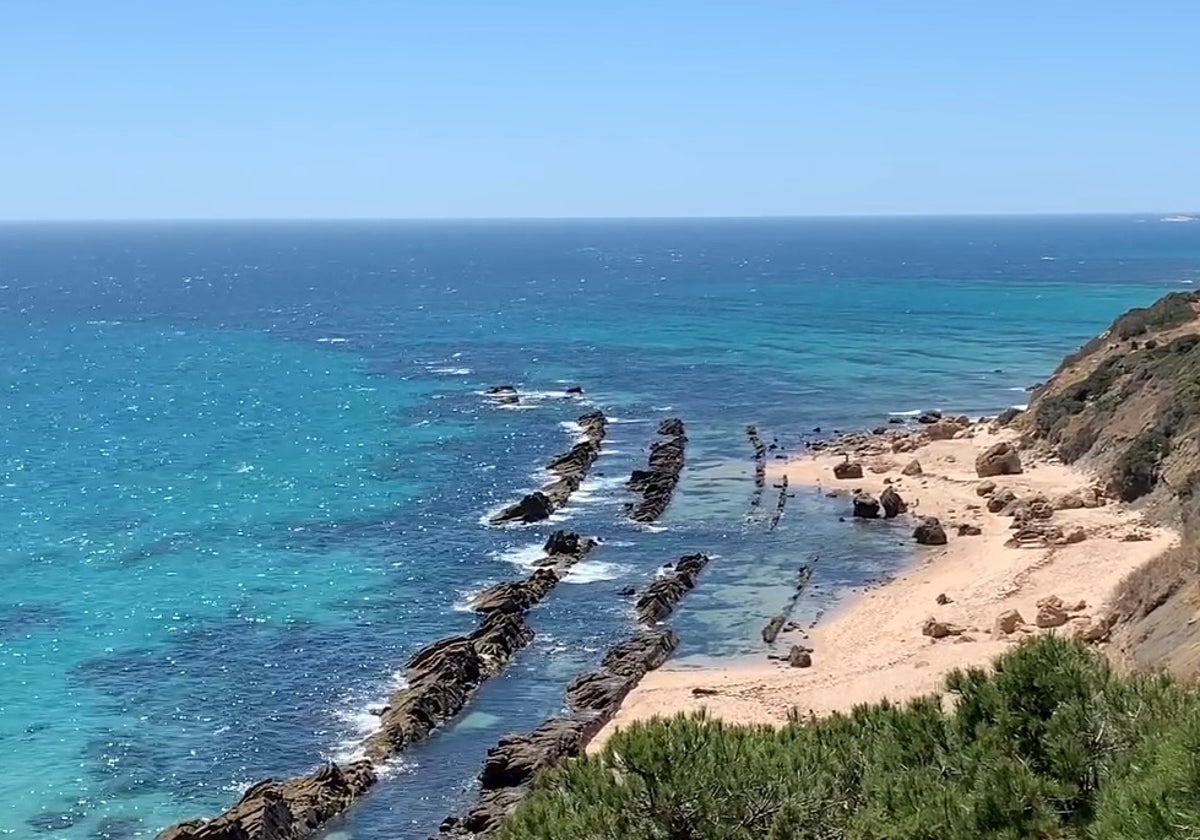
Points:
875	645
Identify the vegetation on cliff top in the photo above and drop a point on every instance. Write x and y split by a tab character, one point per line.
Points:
1051	744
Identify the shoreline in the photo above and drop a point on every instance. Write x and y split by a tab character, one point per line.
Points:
875	644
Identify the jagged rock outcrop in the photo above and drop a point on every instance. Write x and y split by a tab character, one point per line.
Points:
891	502
283	810
864	506
568	470
661	596
777	514
999	459
760	463
442	676
657	483
593	698
912	468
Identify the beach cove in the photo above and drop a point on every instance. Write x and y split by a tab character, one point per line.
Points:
947	609
260	462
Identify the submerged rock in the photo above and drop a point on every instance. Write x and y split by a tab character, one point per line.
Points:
865	506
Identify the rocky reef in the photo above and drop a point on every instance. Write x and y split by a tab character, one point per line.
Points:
656	484
440	679
568	470
287	810
592	699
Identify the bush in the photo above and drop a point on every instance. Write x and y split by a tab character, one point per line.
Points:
1049	744
1135	472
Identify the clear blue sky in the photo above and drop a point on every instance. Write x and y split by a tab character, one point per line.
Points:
263	108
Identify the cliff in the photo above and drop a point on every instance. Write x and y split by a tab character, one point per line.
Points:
1127	405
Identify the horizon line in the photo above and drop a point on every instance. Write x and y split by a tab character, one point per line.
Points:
1160	214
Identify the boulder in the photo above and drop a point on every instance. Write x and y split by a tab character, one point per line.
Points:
985	488
534	507
865	506
847	470
943	599
942	430
929	417
799	657
929	531
891	503
999	459
1075	535
962	420
968	530
1007	623
939	629
912	468
1051	613
1000	500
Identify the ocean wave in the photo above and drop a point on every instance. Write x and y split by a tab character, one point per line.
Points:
332	340
451	371
915	412
594	571
1020	406
358	716
522	556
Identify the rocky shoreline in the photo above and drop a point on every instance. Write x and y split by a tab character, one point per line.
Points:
656	484
440	679
592	699
568	469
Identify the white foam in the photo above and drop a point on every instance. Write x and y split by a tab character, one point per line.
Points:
359	720
912	413
1020	406
452	371
593	571
465	602
332	340
1018	388
522	556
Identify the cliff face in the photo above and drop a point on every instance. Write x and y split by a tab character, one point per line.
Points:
1127	405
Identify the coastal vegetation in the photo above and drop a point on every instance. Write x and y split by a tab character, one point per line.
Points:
1051	743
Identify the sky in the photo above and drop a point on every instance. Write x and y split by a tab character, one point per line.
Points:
266	109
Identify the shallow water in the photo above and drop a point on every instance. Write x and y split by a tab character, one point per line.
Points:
244	467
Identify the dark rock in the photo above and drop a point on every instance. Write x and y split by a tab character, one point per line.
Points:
534	507
896	421
865	506
929	417
661	596
968	530
772	628
1008	415
574	390
799	657
929	531
1000	500
287	810
912	468
891	502
626	591
985	488
847	470
657	483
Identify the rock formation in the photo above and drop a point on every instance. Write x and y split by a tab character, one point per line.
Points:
287	810
661	596
865	506
999	459
657	483
847	470
929	531
891	502
568	471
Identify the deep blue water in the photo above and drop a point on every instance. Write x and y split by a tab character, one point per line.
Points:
243	466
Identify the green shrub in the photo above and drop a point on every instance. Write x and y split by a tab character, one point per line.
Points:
1135	472
1049	744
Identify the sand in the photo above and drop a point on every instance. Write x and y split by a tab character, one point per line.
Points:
873	647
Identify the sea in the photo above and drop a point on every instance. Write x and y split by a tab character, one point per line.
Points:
246	468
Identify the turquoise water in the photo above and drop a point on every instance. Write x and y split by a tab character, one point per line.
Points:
243	467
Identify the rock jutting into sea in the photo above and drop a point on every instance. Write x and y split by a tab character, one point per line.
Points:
661	596
442	676
287	810
568	470
440	679
592	699
657	483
